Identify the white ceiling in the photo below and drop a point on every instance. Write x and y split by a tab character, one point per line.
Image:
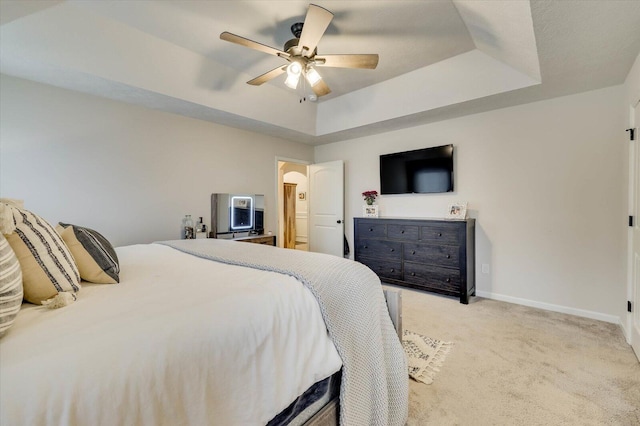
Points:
438	58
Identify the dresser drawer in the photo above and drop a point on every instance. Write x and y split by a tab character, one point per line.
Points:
388	250
384	268
403	232
442	255
368	230
443	233
432	276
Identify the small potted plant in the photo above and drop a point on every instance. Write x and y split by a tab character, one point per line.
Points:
370	197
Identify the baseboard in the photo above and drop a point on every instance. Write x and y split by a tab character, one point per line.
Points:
550	307
626	328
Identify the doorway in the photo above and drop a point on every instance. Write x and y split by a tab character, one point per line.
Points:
293	205
319	206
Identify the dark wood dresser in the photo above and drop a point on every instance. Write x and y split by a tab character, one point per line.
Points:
428	254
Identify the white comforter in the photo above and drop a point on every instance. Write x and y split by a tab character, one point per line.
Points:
181	340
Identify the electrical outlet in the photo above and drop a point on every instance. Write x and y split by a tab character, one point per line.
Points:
485	268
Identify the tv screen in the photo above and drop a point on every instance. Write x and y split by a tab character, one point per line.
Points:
422	171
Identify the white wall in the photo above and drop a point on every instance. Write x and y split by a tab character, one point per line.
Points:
546	182
130	173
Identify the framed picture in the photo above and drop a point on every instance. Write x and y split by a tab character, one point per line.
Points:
302	196
370	211
457	210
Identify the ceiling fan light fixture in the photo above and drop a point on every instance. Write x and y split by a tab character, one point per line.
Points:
292	81
313	77
293	75
294	68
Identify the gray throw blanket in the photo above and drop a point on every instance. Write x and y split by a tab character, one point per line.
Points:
375	384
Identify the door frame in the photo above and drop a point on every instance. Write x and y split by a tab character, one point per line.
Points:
280	194
633	288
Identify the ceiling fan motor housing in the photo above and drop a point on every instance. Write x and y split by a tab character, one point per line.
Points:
292	48
296	29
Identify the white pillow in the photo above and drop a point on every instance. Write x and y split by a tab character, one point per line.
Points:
47	264
10	286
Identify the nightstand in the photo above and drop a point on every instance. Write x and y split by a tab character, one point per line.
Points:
258	239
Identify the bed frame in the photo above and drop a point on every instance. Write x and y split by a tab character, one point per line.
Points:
329	415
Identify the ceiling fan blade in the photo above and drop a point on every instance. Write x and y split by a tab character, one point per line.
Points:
321	88
368	61
269	75
315	24
227	36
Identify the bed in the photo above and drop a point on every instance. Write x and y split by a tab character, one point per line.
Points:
203	332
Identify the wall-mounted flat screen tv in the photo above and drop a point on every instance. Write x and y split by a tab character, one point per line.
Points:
422	171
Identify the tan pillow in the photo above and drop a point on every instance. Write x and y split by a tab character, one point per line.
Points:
96	259
10	286
47	264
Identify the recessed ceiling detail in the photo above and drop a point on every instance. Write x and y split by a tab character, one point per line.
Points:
437	59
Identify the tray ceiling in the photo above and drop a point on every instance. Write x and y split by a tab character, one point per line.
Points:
438	59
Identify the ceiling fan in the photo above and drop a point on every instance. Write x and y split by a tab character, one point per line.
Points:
301	53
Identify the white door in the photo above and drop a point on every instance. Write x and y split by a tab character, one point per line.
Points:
326	208
635	185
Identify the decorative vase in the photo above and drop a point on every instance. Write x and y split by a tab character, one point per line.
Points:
188	230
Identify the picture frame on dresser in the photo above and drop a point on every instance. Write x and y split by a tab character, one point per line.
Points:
370	210
457	210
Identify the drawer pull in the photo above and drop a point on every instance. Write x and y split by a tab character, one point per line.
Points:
448	256
448	280
370	229
413	252
439	234
366	246
393	270
402	232
393	249
413	274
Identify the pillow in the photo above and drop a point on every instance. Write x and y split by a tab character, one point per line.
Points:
96	259
46	262
6	216
10	285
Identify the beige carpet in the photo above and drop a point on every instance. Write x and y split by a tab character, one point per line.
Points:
514	365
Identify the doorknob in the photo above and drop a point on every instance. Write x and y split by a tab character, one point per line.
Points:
338	221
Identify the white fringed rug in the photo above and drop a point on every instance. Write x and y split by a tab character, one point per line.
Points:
425	355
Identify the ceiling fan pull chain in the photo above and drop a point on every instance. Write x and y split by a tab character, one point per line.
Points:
304	91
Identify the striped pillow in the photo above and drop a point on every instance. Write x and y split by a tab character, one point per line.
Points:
47	264
96	259
10	285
